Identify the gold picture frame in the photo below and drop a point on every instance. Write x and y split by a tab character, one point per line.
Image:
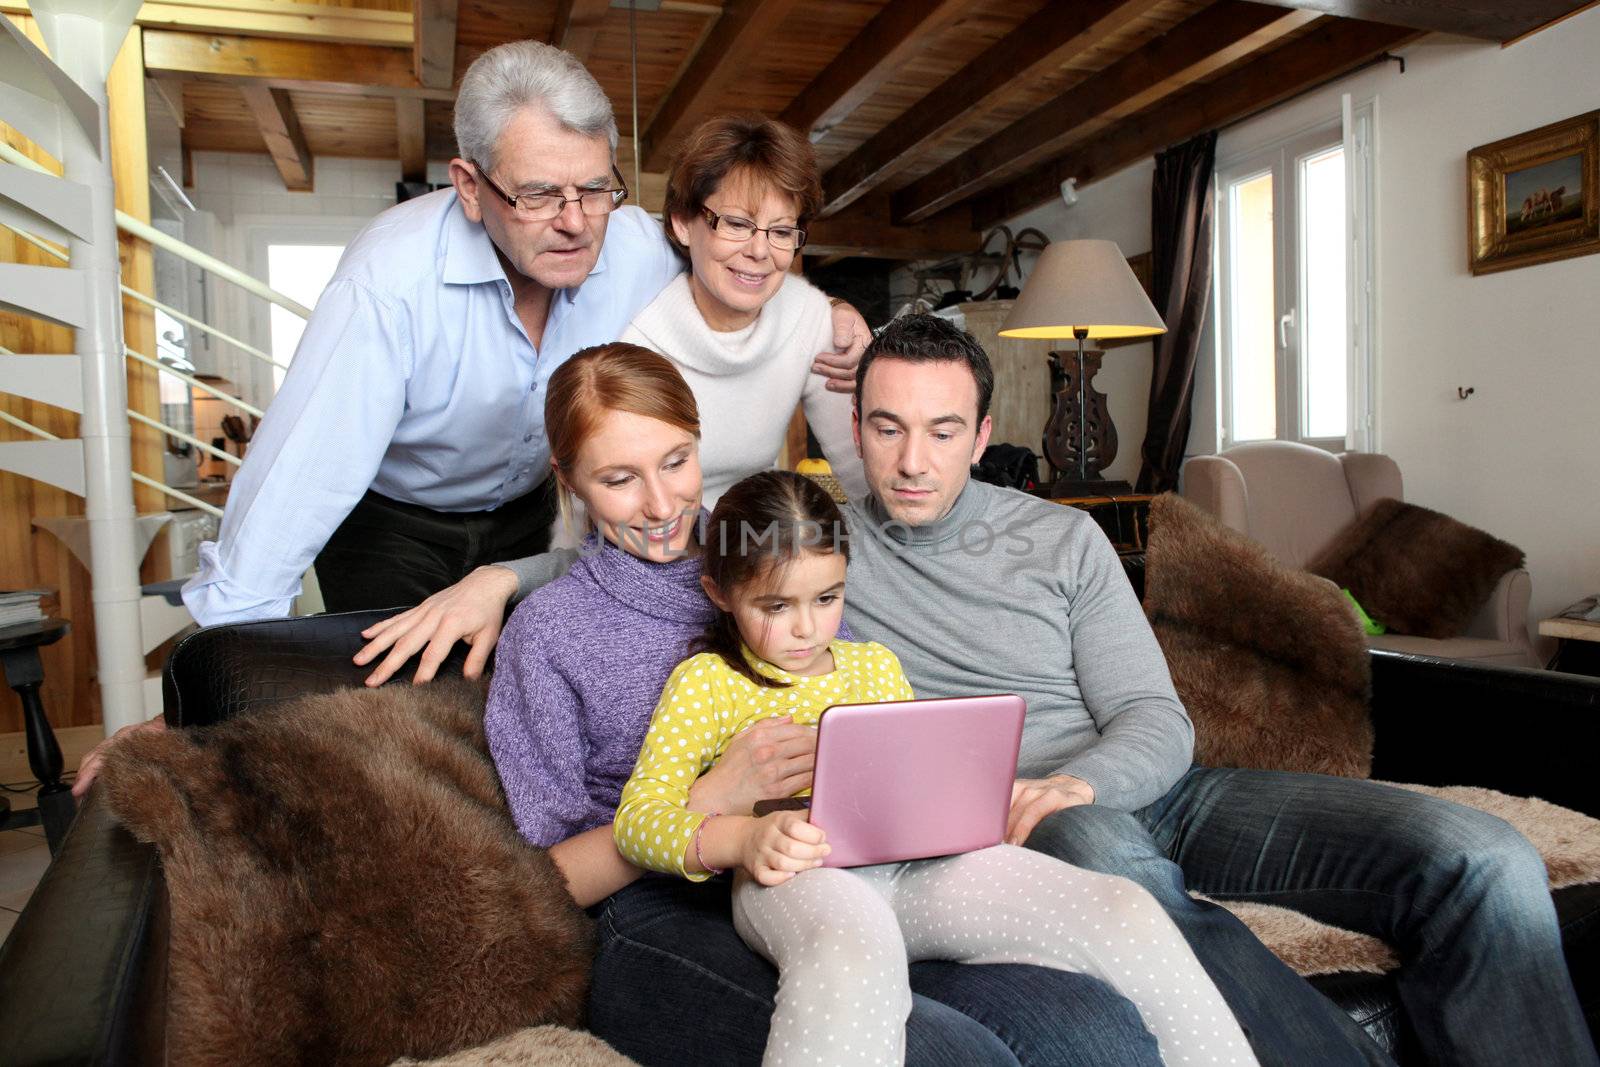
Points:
1535	197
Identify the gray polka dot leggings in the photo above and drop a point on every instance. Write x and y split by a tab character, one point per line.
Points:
842	940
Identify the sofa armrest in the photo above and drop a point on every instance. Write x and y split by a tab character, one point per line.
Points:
1504	617
1522	731
83	974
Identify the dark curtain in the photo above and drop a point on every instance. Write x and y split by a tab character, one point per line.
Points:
1180	268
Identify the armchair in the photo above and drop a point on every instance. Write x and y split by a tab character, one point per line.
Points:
1295	499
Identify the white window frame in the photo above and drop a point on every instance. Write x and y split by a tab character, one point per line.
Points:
1355	130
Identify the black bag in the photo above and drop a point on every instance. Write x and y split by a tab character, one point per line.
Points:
1012	466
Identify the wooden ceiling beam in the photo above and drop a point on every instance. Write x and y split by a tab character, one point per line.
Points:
744	28
306	66
1036	46
282	19
1215	38
895	35
433	47
280	129
412	138
1491	20
865	229
577	26
1332	49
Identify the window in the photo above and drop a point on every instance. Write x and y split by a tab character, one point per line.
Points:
1293	257
299	272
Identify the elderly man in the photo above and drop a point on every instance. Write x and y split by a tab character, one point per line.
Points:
406	446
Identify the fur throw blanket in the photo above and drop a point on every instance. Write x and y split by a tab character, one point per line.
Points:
346	886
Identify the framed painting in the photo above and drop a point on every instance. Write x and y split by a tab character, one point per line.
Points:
1535	197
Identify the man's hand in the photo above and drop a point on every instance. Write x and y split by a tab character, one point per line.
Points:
1034	798
780	846
772	759
95	759
472	610
850	338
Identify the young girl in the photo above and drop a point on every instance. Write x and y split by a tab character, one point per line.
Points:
774	565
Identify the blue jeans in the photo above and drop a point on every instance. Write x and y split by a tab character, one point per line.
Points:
1461	896
674	984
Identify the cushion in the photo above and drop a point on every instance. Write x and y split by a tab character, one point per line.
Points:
1416	571
547	1046
345	883
1270	662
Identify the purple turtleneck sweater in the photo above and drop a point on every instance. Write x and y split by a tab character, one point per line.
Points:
578	672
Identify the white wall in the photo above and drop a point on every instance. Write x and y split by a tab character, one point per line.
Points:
1519	458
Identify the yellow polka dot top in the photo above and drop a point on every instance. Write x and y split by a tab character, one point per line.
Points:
704	706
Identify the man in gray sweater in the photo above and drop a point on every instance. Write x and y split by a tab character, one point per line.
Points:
980	589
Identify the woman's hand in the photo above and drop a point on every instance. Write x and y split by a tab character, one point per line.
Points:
472	610
850	338
781	845
771	760
95	759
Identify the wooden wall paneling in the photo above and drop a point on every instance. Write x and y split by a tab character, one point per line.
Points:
1056	31
578	24
280	129
1202	45
304	66
1491	20
1332	48
360	126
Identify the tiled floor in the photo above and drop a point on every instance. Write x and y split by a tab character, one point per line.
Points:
23	858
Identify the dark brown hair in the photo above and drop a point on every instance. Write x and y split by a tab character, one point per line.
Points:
763	149
763	523
921	338
611	377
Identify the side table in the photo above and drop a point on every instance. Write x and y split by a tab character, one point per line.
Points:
1579	650
19	655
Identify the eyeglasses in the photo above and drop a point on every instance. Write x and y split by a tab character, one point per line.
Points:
734	228
540	207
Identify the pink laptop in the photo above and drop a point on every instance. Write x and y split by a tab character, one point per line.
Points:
915	778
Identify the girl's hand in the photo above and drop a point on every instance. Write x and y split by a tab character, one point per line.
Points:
772	759
472	610
780	846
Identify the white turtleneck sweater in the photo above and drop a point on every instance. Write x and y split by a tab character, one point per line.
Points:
748	382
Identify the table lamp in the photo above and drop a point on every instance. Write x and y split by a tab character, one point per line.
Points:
1080	289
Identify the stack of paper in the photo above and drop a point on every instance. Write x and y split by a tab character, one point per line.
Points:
21	605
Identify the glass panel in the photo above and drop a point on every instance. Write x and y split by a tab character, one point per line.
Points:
1325	351
1254	374
299	272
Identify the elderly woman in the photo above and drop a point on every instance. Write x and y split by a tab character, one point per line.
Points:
740	327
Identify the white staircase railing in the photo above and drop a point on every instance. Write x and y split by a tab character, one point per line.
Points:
60	104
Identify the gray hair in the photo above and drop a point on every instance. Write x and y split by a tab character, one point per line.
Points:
519	74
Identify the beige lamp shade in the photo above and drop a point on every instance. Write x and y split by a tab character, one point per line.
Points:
1082	285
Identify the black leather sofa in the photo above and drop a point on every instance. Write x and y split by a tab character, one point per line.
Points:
82	976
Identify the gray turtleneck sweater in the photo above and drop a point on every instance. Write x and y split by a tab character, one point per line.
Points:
1012	594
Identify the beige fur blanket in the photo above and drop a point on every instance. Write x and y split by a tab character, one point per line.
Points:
1568	840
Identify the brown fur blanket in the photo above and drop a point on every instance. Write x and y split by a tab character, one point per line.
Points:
346	886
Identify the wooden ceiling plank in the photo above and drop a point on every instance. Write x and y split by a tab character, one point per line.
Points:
280	129
744	28
306	66
1491	20
1038	45
433	47
411	136
578	26
865	229
1332	49
895	35
1212	39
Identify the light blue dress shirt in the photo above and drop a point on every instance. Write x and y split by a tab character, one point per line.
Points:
414	378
